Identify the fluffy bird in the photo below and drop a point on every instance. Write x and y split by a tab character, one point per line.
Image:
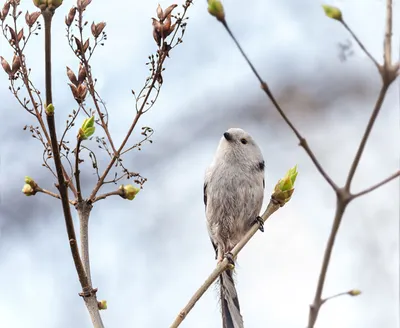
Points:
233	195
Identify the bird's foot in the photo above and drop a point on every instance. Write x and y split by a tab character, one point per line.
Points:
230	258
260	222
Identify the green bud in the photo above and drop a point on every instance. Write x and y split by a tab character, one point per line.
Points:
216	9
332	12
129	191
284	189
28	190
102	305
50	109
47	4
87	129
354	292
28	180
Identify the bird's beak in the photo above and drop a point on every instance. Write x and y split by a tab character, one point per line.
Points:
228	136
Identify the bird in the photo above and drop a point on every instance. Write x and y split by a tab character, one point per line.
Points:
234	186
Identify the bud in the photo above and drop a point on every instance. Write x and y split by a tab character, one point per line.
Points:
81	74
216	9
354	292
168	11
284	189
70	18
102	305
129	191
50	109
47	4
87	128
160	13
6	65
79	92
28	180
71	76
333	12
4	11
16	64
82	4
31	19
97	28
28	190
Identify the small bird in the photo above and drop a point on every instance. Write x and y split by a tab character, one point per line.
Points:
233	195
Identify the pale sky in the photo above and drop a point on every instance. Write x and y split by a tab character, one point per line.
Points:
150	255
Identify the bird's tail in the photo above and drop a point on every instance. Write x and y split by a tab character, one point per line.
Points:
231	317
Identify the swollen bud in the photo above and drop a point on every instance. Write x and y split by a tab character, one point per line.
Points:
284	189
28	190
129	191
28	180
50	109
354	292
332	12
87	128
102	305
216	9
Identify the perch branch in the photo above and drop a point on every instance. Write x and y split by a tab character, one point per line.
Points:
272	207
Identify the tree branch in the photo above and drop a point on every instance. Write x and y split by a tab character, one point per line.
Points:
357	158
272	207
117	192
88	293
302	141
52	194
77	172
376	186
347	27
314	308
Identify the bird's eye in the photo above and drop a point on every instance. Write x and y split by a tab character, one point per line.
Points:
243	141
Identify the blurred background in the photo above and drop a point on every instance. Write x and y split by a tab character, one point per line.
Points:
150	255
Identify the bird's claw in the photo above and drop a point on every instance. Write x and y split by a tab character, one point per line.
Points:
260	222
229	257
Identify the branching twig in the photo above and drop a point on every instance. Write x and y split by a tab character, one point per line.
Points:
388	73
376	186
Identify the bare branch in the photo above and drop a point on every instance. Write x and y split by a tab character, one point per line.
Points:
77	172
52	194
88	293
302	141
361	147
376	186
314	308
360	44
118	192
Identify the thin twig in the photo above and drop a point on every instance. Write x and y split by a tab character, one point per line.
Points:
272	207
361	45
108	194
361	147
302	141
91	83
52	194
387	47
376	186
77	172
